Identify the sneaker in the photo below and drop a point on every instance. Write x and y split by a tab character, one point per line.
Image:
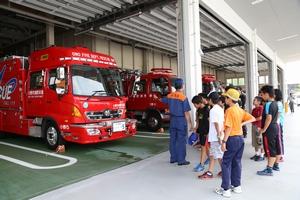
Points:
266	172
206	175
237	190
184	163
276	167
259	158
173	161
199	168
254	157
206	162
224	193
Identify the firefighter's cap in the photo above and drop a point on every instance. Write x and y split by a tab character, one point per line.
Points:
178	83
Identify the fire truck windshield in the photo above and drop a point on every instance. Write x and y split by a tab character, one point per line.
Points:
86	80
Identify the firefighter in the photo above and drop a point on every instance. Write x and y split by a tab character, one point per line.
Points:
180	117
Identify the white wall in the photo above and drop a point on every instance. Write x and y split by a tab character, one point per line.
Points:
126	56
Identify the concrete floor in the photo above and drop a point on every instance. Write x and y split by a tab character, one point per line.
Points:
156	179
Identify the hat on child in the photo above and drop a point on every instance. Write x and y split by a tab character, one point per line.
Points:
232	94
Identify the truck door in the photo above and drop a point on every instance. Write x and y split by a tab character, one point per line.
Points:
36	97
138	97
52	98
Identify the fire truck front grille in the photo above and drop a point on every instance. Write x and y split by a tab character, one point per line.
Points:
106	114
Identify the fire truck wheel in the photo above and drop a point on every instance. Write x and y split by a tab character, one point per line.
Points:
153	121
52	135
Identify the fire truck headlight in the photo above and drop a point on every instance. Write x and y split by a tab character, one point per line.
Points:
93	131
76	112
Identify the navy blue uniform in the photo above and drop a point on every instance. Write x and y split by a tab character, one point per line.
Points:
178	105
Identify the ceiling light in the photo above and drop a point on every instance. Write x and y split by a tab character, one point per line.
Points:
288	37
256	2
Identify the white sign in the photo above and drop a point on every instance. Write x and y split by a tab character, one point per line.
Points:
118	126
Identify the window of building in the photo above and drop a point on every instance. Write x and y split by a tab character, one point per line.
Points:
229	81
241	81
235	81
263	79
267	79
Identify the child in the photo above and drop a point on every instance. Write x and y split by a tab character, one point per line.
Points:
221	102
202	125
233	144
205	98
256	126
270	130
216	119
278	99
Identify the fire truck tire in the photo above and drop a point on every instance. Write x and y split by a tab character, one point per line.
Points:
153	121
52	135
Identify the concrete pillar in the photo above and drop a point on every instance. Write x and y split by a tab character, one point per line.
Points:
189	48
273	78
251	71
285	87
50	35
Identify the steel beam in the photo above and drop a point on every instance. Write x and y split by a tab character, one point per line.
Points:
131	10
221	47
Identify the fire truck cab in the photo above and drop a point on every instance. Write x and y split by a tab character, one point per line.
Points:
144	92
63	94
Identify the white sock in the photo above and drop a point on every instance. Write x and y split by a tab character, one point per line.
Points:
262	155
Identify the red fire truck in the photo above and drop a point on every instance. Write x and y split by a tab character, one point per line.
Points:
144	92
63	94
210	83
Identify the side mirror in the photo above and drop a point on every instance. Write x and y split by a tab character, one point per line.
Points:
61	73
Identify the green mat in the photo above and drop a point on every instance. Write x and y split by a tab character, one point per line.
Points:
19	182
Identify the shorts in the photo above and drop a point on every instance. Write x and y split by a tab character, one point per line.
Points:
202	139
215	150
272	141
256	138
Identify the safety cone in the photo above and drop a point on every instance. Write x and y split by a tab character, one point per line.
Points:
60	149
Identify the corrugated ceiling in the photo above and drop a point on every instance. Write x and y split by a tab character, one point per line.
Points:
156	27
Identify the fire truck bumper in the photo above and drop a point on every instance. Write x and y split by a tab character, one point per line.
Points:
100	132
